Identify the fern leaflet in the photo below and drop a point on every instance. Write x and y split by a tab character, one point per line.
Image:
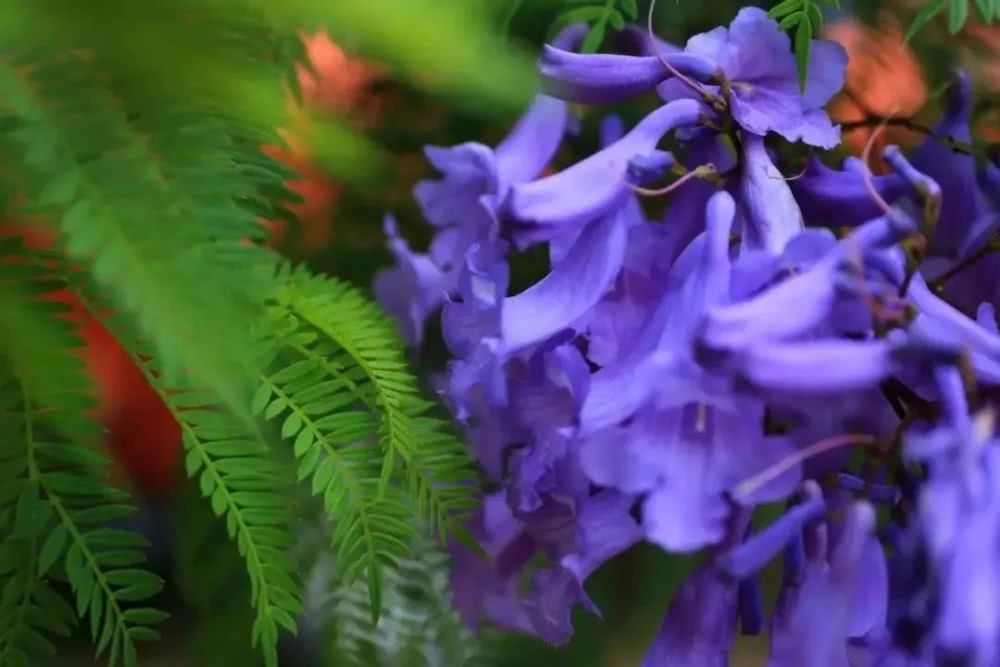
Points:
958	14
599	15
806	17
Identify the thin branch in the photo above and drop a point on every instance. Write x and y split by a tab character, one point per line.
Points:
874	119
939	282
910	124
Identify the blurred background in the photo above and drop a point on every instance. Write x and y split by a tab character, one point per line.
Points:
381	105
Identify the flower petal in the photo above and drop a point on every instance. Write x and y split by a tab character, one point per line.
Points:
530	145
591	187
839	198
411	290
469	171
475	312
604	78
570	290
820	367
771	217
827	66
953	171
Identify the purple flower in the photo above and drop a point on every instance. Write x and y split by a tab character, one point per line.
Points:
485	586
603	78
819	367
463	206
685	460
548	388
839	198
698	628
946	326
771	218
755	58
663	349
476	178
954	172
412	289
814	627
474	312
749	557
573	287
592	187
605	529
661	381
959	509
802	303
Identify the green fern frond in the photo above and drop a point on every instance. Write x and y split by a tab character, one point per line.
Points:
209	576
806	17
243	485
958	14
30	610
347	402
599	15
99	176
291	55
55	505
336	448
361	345
419	627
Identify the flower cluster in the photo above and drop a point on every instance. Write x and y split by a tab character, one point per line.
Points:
669	375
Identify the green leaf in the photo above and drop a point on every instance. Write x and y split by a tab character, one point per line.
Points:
791	21
594	38
260	399
803	42
815	15
581	15
958	14
51	550
32	514
985	10
786	7
291	426
923	17
145	616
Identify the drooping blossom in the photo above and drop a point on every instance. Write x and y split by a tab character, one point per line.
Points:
463	205
752	56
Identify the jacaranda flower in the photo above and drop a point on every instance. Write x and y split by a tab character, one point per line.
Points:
827	340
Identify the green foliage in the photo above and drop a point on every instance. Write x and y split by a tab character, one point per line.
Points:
446	46
599	15
131	135
806	17
419	627
243	486
210	577
958	14
354	413
56	510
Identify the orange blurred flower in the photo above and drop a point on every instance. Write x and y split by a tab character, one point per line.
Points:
883	78
336	83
